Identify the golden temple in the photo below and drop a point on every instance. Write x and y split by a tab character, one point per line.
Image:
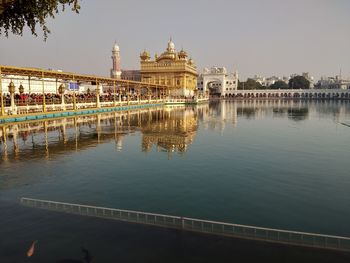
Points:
170	68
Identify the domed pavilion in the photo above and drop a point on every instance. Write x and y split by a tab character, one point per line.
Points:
170	68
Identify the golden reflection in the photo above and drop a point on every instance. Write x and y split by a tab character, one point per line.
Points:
15	142
64	131
98	127
172	131
167	129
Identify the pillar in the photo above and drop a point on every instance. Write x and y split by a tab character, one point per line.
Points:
61	89
62	102
114	91
74	101
29	85
44	98
120	96
12	93
98	104
1	96
139	95
149	94
128	94
74	98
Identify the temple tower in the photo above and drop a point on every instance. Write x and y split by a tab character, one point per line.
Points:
116	70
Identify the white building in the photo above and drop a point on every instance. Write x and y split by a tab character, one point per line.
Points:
267	82
216	81
259	79
333	83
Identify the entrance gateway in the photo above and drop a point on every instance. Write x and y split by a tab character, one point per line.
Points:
216	81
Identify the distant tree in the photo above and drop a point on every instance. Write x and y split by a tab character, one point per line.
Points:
279	85
16	14
240	85
249	85
299	82
317	85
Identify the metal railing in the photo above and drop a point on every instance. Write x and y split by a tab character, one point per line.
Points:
198	225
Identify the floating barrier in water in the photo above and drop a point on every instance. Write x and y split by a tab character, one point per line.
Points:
345	124
197	225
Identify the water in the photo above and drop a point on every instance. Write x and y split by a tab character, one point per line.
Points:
279	164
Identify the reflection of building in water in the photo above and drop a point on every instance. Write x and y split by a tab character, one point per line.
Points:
170	129
223	114
59	136
173	130
219	114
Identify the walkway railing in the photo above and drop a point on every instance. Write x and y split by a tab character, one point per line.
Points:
56	106
198	225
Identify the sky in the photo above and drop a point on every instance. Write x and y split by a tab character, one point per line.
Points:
254	37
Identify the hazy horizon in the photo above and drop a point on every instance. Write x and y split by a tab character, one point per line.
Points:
254	37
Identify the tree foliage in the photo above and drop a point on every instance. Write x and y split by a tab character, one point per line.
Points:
279	85
249	85
299	82
16	14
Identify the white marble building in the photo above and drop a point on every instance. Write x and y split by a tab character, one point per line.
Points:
336	82
216	81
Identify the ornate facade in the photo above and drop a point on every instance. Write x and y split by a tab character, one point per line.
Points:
217	81
170	68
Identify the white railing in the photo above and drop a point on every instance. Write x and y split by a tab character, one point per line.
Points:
198	225
38	108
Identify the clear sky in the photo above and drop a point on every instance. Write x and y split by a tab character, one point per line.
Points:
264	37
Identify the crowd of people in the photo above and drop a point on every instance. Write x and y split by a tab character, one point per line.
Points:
52	98
88	97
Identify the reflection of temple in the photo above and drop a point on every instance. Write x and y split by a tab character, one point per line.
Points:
173	131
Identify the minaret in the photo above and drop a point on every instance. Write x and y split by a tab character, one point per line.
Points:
116	71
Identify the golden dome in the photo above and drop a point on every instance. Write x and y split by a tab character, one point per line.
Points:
171	46
191	62
182	54
145	55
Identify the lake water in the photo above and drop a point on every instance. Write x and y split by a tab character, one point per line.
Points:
270	163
